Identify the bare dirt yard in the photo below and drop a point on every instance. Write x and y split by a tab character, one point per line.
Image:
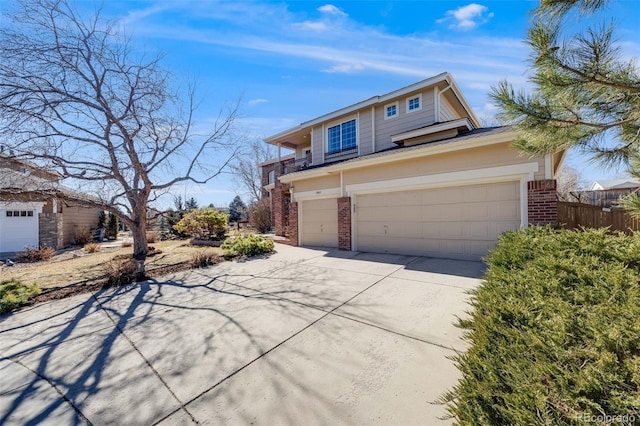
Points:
76	267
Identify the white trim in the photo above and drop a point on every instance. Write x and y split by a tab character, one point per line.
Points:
426	150
392	104
436	103
524	201
316	195
341	185
269	187
436	128
547	166
419	96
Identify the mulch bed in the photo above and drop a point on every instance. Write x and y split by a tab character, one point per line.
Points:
57	293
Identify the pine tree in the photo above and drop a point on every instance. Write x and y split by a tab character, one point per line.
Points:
585	94
237	209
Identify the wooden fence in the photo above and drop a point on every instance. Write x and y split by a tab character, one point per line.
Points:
575	215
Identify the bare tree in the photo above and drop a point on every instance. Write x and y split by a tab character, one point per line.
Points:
568	184
77	98
246	170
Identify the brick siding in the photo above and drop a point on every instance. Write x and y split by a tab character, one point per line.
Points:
293	223
344	223
279	196
543	202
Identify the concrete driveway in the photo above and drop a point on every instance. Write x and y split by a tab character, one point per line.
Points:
302	337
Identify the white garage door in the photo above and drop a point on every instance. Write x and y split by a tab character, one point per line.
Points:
18	229
320	222
457	222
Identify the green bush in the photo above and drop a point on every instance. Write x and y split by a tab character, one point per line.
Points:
203	224
554	332
14	294
247	246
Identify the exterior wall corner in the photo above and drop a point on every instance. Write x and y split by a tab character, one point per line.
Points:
542	200
293	223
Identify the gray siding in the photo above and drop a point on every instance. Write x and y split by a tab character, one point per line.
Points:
317	146
364	132
404	121
446	111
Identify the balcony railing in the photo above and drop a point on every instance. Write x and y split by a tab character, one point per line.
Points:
341	154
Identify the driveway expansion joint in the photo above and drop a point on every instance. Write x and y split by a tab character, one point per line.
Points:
155	372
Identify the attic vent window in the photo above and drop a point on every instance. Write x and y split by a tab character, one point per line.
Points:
391	110
414	104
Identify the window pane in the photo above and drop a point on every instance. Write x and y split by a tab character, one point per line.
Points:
349	134
9	213
391	110
334	139
414	103
30	213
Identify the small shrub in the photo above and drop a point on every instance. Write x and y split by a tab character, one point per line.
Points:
203	224
14	294
92	248
260	215
82	236
120	270
32	254
247	246
152	236
202	259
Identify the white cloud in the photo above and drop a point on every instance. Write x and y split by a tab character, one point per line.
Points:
311	25
467	17
258	101
331	10
344	68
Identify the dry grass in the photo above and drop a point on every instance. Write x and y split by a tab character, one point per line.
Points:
77	266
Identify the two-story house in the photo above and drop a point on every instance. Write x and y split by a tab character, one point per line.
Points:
409	172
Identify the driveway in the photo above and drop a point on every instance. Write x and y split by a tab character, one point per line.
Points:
304	336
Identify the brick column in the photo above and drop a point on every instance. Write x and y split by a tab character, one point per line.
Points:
344	223
543	202
293	223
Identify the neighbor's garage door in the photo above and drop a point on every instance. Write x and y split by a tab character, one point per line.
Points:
457	222
320	222
18	229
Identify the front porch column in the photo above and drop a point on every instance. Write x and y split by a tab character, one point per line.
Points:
293	223
542	202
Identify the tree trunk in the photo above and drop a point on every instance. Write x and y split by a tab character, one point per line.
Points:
140	245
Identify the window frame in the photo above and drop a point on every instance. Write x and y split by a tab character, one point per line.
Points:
339	124
271	177
419	98
19	213
386	110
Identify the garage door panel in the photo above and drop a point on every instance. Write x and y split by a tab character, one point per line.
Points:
461	222
320	222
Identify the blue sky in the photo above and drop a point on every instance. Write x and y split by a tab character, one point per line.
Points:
292	61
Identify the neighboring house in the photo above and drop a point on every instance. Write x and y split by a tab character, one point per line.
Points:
33	210
607	193
409	172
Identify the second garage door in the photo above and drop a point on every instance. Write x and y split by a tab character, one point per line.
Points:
458	222
320	222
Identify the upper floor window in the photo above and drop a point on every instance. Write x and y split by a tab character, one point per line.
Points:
272	177
341	137
390	110
414	103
